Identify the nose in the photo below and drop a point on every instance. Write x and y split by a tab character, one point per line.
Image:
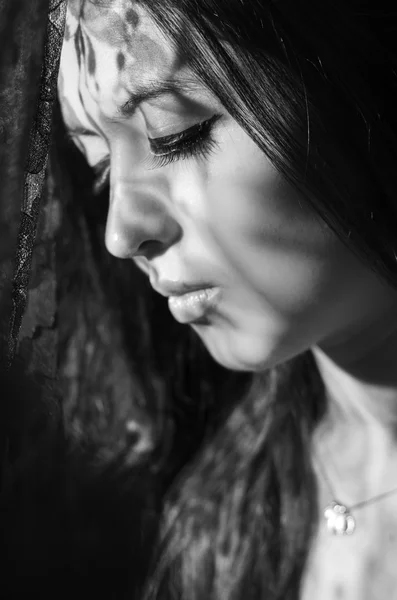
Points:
139	223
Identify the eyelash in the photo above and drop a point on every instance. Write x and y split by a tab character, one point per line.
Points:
196	141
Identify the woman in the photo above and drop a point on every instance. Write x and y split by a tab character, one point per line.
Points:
250	151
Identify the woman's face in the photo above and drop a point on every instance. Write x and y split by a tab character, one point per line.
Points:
200	207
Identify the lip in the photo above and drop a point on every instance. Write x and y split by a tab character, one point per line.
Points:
174	289
195	305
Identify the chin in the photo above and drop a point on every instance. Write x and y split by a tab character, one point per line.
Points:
240	352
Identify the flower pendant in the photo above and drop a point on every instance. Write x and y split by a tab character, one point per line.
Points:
339	519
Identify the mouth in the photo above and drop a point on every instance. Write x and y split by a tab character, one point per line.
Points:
188	302
194	306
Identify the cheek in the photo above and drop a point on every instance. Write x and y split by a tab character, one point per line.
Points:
269	236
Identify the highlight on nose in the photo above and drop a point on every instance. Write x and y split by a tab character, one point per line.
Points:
139	226
120	246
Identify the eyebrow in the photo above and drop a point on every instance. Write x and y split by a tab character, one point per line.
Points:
154	90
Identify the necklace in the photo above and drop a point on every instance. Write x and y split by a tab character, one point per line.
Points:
338	516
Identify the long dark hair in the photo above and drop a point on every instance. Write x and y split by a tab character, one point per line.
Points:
314	85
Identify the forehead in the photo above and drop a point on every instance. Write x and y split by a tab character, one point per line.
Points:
111	48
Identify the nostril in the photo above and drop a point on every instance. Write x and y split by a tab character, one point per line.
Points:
150	249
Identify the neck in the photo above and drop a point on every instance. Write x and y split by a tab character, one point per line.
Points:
360	374
358	435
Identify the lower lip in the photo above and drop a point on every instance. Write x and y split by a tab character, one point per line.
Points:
194	306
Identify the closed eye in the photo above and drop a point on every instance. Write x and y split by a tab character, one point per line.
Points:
194	142
102	175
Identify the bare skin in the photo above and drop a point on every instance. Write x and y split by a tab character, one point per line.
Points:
287	282
356	444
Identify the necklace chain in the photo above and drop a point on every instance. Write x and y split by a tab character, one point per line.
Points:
373	499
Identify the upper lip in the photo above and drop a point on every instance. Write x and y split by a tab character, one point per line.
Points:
171	288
